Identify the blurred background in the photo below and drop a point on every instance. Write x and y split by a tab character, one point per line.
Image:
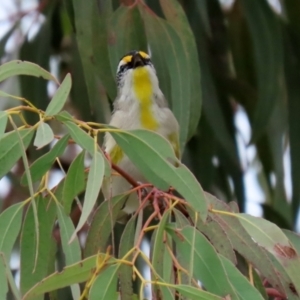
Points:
238	62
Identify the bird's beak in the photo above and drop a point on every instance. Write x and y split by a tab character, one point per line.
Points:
137	60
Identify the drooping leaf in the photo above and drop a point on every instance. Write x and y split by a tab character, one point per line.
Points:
158	250
193	293
294	238
82	13
267	43
10	224
93	186
244	244
151	154
9	277
44	163
10	149
126	31
101	35
4	284
126	244
242	286
105	285
178	20
44	135
74	182
71	251
269	236
3	122
60	97
18	67
75	273
206	264
38	270
102	225
175	61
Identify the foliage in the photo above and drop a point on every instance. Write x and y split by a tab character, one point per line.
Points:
70	245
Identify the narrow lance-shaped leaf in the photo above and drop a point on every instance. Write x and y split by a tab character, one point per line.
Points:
71	251
3	122
75	273
36	264
44	135
94	183
178	19
60	97
243	287
102	225
74	182
207	266
18	67
44	163
3	280
265	31
193	293
10	224
151	154
105	284
10	149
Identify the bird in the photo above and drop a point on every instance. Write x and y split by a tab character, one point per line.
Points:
140	104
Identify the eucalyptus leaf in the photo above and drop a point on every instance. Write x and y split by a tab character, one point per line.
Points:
44	135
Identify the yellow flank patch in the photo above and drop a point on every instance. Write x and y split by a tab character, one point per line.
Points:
143	90
116	154
173	139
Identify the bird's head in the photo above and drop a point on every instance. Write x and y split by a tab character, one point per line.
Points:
135	64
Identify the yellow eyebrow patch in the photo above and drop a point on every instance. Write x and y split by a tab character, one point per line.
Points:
142	86
144	55
127	59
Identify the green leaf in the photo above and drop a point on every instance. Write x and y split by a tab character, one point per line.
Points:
71	251
178	20
105	285
38	269
151	154
126	244
3	280
74	182
83	12
10	278
43	164
10	149
269	236
44	135
80	137
265	32
242	286
3	122
244	244
175	60
60	97
218	238
100	34
93	186
207	267
158	250
10	224
102	225
75	273
126	30
193	293
18	67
